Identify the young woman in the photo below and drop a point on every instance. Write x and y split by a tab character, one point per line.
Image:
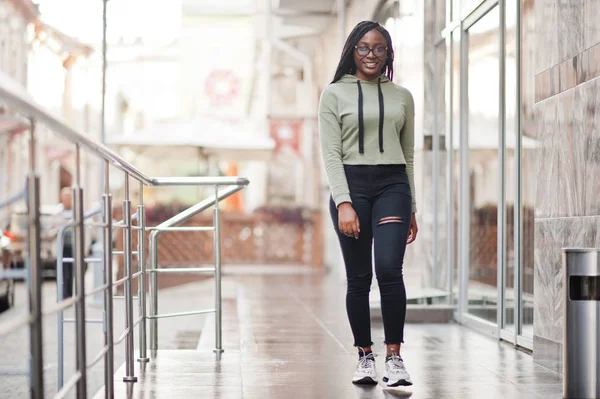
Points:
366	125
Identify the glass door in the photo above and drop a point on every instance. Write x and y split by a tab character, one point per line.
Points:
481	172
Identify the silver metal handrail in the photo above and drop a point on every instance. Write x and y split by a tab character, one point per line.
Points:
18	99
168	225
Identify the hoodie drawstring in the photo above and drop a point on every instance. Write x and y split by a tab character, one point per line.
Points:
381	114
361	124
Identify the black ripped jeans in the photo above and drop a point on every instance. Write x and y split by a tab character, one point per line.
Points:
382	200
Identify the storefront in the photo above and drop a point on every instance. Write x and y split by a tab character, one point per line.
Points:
477	153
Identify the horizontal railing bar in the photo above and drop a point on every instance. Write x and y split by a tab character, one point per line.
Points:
88	260
10	274
68	386
14	372
122	337
183	270
198	228
98	357
136	274
97	289
91	321
86	216
60	306
96	224
122	297
17	97
122	252
14	324
121	224
167	315
200	181
121	281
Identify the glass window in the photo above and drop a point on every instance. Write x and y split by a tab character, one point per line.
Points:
510	85
484	173
440	167
454	70
528	161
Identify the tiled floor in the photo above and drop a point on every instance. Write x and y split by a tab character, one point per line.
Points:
288	337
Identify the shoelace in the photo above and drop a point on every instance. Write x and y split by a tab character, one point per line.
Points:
397	361
365	361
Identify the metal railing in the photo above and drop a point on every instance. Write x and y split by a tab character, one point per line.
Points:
19	100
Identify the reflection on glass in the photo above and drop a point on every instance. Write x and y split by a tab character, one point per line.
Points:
483	77
529	141
511	165
454	70
439	167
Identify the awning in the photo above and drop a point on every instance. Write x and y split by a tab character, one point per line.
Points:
216	139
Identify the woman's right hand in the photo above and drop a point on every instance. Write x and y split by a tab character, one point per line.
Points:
347	220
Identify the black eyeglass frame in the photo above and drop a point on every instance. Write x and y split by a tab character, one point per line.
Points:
371	50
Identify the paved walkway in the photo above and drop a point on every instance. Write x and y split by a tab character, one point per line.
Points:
288	337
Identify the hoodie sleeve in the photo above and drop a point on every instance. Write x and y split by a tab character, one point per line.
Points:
330	134
407	142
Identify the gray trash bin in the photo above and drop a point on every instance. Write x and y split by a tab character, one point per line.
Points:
581	346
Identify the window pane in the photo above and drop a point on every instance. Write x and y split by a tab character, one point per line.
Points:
528	160
510	85
483	95
455	167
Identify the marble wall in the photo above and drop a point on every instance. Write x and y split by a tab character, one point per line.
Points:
567	116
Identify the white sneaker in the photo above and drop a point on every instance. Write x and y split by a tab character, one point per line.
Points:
395	372
365	371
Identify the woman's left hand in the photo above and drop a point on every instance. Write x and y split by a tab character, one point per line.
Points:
412	232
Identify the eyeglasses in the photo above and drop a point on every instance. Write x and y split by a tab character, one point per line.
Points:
379	51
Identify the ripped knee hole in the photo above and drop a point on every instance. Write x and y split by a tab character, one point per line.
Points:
390	219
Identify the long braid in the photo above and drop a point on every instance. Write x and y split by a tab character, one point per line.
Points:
347	65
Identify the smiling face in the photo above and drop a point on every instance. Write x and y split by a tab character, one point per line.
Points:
370	65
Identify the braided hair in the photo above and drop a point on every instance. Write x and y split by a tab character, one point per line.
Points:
347	64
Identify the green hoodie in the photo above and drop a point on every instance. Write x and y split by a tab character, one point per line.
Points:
387	136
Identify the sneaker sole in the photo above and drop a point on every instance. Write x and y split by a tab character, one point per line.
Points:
400	383
365	381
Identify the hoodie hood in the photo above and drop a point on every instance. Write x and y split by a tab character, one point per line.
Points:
348	78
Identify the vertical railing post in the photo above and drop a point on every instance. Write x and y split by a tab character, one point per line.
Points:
60	315
142	280
34	283
79	267
109	385
153	290
127	260
217	252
